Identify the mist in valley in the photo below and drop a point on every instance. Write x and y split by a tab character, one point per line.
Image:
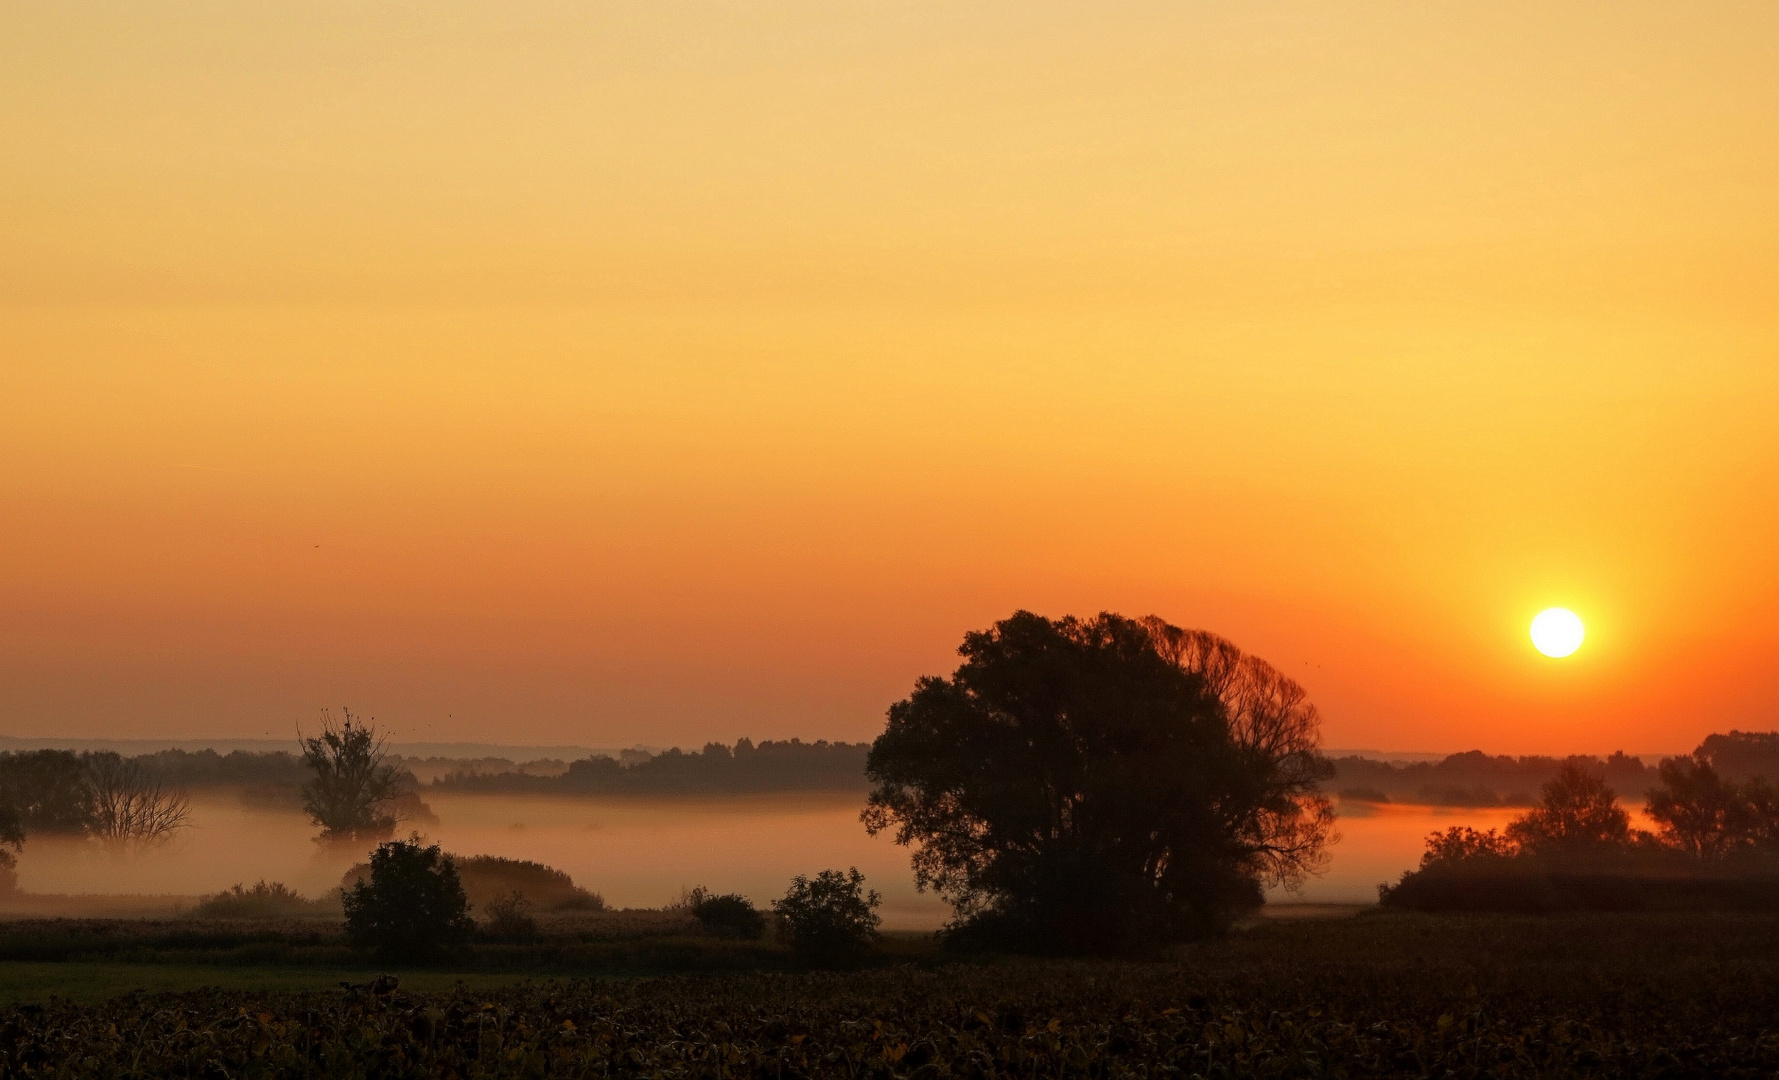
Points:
634	851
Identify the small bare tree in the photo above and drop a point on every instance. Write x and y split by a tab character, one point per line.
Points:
353	786
130	805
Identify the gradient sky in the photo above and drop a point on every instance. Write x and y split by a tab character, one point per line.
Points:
661	372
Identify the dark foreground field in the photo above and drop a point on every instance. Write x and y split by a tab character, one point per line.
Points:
1619	996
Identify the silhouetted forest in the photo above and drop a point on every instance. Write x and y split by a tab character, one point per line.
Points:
1474	778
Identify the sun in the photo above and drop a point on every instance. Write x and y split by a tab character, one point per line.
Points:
1557	632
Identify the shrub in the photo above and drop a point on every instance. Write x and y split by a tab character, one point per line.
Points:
490	878
729	916
413	907
829	921
509	920
263	901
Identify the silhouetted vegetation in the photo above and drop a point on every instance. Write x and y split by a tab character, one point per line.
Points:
48	791
729	915
12	836
1474	778
102	795
352	787
1101	785
1742	755
263	900
829	920
508	920
1717	848
130	805
1362	795
412	907
790	765
488	878
202	768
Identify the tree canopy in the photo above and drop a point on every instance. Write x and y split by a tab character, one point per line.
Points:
1578	810
1101	784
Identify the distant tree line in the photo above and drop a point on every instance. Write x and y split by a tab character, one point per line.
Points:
788	765
1715	845
99	795
343	779
1474	778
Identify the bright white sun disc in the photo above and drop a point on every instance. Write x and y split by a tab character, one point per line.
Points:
1557	632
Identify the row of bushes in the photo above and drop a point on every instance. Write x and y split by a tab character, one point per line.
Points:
413	902
412	907
1716	846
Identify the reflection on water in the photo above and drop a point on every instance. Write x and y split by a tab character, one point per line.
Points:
1377	843
639	852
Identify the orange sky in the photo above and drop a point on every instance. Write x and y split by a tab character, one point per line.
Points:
660	371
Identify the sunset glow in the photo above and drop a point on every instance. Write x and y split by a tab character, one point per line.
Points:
641	372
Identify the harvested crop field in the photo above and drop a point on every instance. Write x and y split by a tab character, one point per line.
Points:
1630	996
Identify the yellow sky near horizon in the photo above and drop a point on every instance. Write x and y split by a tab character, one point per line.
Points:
662	372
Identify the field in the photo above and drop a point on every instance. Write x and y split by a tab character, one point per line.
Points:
1625	995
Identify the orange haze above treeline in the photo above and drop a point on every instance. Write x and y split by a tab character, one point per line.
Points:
662	373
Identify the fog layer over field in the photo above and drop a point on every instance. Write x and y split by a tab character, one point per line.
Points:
640	851
636	852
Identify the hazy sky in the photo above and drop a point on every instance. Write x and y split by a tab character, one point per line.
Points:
614	372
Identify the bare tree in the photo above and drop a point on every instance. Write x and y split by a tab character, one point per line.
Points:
353	788
130	805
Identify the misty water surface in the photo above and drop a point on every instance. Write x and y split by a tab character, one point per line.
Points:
640	852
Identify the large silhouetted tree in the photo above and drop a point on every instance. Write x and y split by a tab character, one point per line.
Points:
1101	785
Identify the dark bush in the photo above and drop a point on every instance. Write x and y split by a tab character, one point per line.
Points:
829	921
1648	879
490	878
509	920
263	901
729	916
413	906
